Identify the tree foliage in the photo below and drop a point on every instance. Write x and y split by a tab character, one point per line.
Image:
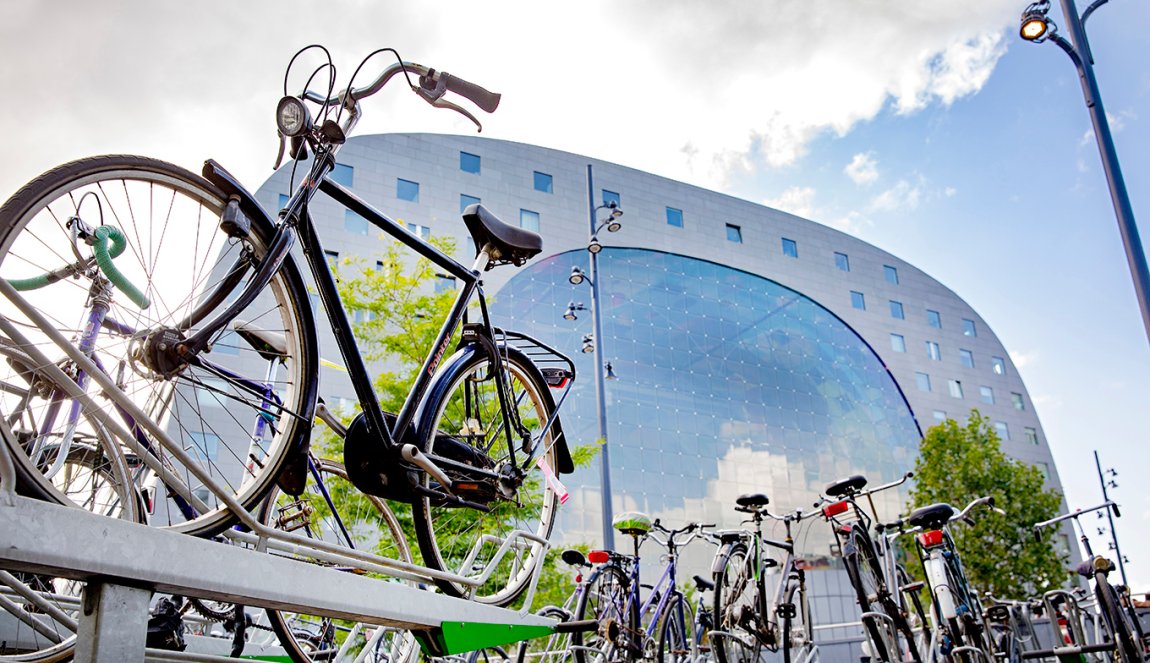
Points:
958	464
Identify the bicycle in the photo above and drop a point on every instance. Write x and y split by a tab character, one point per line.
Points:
627	622
746	618
1119	619
476	446
558	646
861	559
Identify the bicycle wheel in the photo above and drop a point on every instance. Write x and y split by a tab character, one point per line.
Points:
236	432
604	599
866	578
916	624
465	415
737	609
676	634
555	649
1126	649
798	633
332	510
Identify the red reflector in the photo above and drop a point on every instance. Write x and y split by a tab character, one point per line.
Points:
598	556
931	538
835	509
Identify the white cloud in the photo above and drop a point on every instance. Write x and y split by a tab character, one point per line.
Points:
796	200
1022	359
863	169
950	192
853	223
903	196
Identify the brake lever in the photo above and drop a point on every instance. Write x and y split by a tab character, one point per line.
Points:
443	103
280	154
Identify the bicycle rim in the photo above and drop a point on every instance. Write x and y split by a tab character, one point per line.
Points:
676	639
604	600
862	570
798	636
736	610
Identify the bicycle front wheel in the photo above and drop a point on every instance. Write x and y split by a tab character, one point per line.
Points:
236	410
1127	650
737	609
604	600
798	632
468	422
676	635
866	578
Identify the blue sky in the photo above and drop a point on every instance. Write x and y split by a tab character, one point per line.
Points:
928	129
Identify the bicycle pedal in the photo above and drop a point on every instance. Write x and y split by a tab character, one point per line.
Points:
291	517
787	611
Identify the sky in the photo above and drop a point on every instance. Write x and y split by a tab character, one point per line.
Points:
928	129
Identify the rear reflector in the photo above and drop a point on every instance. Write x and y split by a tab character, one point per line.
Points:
598	556
930	539
835	509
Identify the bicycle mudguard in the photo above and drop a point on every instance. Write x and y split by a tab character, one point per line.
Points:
721	556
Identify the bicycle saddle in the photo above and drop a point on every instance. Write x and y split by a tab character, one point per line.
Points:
931	517
510	244
703	584
632	523
752	499
851	484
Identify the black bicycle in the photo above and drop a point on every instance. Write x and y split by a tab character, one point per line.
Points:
160	271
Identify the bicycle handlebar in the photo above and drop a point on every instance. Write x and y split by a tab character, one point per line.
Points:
964	515
1109	504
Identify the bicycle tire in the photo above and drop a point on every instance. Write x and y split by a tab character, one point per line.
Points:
175	255
676	639
463	408
555	649
916	611
604	599
1126	649
866	578
737	608
798	636
364	522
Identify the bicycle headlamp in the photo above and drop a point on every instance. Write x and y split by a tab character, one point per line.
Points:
292	117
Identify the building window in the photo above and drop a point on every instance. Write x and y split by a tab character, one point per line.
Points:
896	310
444	283
611	197
858	301
734	234
968	328
379	265
897	343
933	319
343	174
422	232
1002	430
469	163
955	388
891	274
543	182
354	223
842	261
967	358
407	190
986	394
923	381
1044	469
998	364
529	220
790	248
332	258
674	217
1017	402
932	351
939	415
1031	435
465	200
283	200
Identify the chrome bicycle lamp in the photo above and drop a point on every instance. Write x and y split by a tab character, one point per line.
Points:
292	117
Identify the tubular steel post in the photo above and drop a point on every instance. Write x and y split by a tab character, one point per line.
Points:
1110	517
600	384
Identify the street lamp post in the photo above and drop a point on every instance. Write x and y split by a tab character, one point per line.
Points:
603	371
1110	515
1037	27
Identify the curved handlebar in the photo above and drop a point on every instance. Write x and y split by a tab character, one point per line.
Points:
988	500
1109	504
104	254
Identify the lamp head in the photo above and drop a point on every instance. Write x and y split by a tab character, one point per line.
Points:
1034	25
594	246
569	314
610	373
588	344
577	276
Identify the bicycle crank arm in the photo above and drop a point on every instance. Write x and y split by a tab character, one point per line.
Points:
413	455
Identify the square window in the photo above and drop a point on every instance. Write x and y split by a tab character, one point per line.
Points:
543	182
1044	469
407	190
986	394
529	220
1002	430
734	234
923	381
968	328
790	248
1031	435
858	301
332	258
422	232
967	358
933	319
283	200
998	364
469	163
955	388
611	197
933	351
354	223
674	217
465	200
896	310
939	415
1017	402
891	274
343	174
842	261
897	343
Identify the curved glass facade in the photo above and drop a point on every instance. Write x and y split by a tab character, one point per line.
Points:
728	383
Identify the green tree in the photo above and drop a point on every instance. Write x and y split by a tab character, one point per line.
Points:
958	464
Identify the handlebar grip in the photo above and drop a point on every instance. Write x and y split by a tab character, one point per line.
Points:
1037	534
1117	513
579	626
486	100
104	257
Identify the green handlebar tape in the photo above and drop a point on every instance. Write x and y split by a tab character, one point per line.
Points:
29	284
104	258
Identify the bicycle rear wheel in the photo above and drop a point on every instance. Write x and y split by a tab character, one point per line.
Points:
465	421
737	609
798	633
604	599
676	634
866	578
235	412
1127	650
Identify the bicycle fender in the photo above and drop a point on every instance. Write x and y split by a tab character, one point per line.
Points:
721	557
447	373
